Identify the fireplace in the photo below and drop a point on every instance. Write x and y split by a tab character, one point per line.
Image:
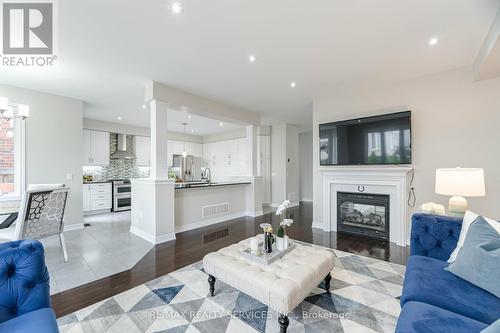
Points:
363	214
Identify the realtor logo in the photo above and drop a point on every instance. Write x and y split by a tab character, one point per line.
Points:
27	28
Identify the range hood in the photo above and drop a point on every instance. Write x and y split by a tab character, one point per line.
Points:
121	150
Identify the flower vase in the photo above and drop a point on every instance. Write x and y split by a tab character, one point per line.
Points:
268	242
282	243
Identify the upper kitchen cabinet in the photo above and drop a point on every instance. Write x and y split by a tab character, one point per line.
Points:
142	151
95	147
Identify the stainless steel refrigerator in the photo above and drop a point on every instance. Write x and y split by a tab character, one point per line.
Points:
187	169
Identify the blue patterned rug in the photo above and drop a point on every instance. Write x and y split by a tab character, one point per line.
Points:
364	298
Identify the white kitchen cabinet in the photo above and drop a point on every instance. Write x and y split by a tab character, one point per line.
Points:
87	154
86	197
95	147
142	151
97	197
190	148
177	147
242	157
198	150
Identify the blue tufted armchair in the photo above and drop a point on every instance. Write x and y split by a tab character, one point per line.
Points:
24	289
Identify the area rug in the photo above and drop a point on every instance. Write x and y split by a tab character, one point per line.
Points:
364	298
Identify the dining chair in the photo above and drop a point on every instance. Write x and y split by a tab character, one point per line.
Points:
41	215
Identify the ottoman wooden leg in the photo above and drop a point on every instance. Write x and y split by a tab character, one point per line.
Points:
328	278
283	321
211	283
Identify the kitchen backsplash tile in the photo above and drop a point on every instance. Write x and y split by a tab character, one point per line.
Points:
117	168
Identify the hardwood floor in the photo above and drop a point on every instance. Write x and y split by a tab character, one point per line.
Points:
191	246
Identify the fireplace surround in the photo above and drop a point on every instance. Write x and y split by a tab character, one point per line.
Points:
384	180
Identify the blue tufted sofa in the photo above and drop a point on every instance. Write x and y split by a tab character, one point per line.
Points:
433	299
24	289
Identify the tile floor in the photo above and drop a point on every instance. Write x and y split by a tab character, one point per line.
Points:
102	249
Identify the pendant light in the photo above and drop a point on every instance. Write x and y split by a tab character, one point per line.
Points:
184	153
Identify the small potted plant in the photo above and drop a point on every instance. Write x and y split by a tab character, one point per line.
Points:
281	237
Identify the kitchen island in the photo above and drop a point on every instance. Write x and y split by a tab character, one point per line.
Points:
201	204
187	206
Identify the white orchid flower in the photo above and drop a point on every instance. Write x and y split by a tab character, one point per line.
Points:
286	222
280	209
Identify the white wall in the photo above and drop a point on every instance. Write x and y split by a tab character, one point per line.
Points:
284	164
305	166
455	122
53	143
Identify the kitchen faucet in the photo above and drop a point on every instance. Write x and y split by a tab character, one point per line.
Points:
207	174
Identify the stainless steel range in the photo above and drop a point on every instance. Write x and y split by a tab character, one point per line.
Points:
122	195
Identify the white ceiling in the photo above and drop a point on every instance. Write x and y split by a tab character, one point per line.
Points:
108	49
197	125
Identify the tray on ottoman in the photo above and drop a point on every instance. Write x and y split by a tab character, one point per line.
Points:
263	258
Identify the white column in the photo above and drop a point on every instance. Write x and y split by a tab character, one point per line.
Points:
153	199
254	194
159	140
252	150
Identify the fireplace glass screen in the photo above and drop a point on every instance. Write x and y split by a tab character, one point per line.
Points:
363	214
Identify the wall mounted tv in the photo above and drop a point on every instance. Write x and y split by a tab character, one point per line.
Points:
384	139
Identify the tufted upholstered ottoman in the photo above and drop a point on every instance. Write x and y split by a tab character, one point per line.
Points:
282	285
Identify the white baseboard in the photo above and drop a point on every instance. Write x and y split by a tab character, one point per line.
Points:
254	214
208	222
95	212
292	204
150	238
318	225
70	227
306	200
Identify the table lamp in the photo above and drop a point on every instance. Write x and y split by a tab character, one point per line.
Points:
460	183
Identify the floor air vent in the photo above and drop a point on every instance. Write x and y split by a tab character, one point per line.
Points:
213	236
214	210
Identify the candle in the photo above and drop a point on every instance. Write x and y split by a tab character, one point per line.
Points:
254	244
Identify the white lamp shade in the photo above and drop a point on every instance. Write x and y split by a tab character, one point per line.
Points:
23	110
467	182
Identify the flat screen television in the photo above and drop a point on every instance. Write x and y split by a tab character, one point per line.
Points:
384	139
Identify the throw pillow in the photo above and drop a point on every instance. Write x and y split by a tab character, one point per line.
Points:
469	218
493	328
479	258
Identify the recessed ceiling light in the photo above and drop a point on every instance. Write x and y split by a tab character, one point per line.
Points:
221	124
252	58
293	84
119	118
192	130
189	116
144	106
176	8
433	41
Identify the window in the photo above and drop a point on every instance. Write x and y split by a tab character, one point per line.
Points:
11	159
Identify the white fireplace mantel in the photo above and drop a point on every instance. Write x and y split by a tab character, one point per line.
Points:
390	180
